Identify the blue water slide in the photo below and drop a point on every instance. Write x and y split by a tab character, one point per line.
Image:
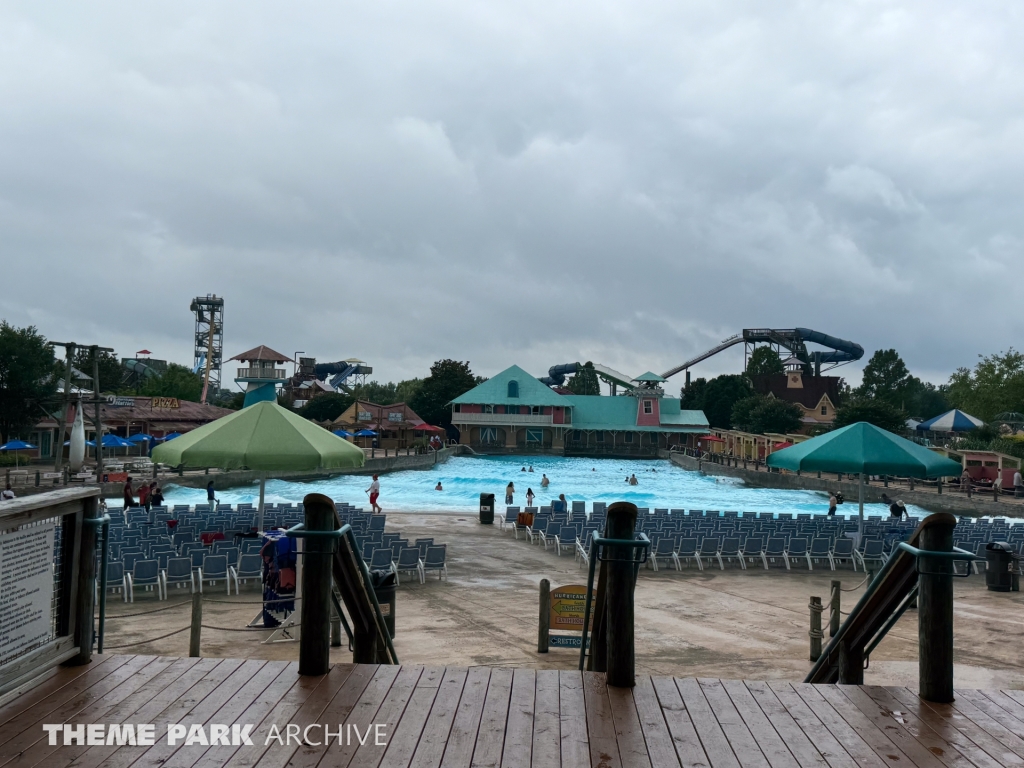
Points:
557	373
843	351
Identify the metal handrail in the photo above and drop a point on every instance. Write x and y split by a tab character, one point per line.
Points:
887	566
104	523
346	532
641	541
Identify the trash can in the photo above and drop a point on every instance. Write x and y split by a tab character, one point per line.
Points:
487	509
383	583
1001	576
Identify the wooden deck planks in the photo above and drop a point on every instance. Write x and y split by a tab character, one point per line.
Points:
503	718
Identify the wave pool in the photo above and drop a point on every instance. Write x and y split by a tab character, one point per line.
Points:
464	478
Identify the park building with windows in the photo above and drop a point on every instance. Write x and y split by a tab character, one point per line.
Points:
513	411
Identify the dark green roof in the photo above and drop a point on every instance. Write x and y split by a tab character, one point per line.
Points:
494	391
649	376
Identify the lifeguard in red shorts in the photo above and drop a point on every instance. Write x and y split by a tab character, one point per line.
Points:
374	491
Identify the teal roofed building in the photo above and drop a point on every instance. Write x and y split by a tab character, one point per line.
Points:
513	411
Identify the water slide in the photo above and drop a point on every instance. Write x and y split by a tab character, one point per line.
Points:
557	373
341	371
793	339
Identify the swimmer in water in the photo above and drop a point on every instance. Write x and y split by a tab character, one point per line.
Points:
438	486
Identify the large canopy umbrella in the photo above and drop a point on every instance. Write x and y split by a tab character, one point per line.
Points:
16	445
265	437
950	421
864	449
426	428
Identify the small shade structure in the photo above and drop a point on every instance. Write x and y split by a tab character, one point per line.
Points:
864	449
15	446
426	428
950	421
264	437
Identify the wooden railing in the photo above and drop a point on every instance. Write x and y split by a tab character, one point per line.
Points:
47	582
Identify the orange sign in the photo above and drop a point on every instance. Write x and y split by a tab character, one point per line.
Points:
567	606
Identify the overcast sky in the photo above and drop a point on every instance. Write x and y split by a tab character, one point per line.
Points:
515	182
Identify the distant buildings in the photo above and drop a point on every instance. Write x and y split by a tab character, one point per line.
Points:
816	396
514	411
394	425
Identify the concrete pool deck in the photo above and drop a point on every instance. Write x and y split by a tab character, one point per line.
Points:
731	624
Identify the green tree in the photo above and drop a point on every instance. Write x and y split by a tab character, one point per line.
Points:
447	380
995	386
406	390
376	392
691	396
111	372
27	381
926	400
584	382
327	407
177	381
764	362
887	379
761	414
877	412
721	394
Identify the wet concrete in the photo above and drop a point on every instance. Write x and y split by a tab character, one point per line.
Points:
733	624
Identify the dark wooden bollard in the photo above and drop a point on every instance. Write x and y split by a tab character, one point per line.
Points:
544	620
851	665
86	577
315	637
935	611
815	632
621	665
834	615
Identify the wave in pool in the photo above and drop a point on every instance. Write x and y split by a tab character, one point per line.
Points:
464	478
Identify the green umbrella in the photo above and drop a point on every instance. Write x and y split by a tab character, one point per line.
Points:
263	436
863	449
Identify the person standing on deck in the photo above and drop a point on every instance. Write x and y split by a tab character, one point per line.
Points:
210	496
129	494
1018	485
144	496
7	494
833	502
374	491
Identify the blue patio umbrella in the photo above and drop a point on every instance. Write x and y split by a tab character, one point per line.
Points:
950	421
342	433
171	436
366	433
16	445
140	438
113	441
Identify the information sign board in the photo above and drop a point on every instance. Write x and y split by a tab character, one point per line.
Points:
567	606
26	589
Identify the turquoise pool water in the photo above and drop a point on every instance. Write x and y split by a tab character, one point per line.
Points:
464	478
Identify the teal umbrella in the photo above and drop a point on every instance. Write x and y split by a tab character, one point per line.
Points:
863	449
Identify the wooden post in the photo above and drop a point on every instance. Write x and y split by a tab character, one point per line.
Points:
815	633
935	612
84	606
197	624
621	665
315	635
851	665
544	620
995	491
911	483
96	405
834	614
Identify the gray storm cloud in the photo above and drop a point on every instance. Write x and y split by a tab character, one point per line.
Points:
515	182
